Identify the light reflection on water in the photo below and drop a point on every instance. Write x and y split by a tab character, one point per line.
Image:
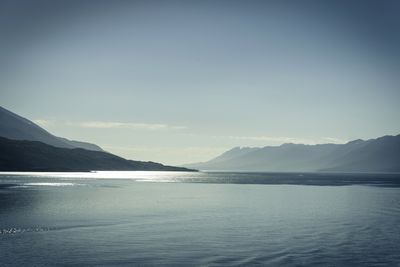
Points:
120	218
147	175
387	179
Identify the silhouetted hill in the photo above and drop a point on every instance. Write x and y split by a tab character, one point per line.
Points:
24	146
16	155
13	126
375	155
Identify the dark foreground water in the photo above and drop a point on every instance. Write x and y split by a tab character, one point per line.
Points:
200	219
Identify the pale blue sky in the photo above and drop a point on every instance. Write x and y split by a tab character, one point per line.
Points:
182	81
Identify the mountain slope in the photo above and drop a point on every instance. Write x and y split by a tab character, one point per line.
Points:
13	126
17	155
375	155
381	154
80	144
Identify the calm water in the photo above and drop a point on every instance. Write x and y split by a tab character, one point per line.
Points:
201	219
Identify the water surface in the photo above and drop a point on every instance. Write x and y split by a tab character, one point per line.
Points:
203	219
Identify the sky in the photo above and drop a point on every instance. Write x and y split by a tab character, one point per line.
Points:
183	81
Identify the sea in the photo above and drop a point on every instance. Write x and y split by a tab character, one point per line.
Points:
199	219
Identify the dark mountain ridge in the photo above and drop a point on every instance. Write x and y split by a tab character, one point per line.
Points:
17	155
24	146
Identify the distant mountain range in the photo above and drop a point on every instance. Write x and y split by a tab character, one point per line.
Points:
24	146
374	155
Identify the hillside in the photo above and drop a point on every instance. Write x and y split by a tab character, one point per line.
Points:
375	155
19	155
13	126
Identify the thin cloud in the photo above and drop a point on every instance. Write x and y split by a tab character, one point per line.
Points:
280	139
334	140
43	123
110	125
128	125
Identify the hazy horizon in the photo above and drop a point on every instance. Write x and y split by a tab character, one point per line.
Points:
183	81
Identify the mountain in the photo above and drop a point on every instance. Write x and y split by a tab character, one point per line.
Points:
17	155
80	144
374	155
13	126
24	146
